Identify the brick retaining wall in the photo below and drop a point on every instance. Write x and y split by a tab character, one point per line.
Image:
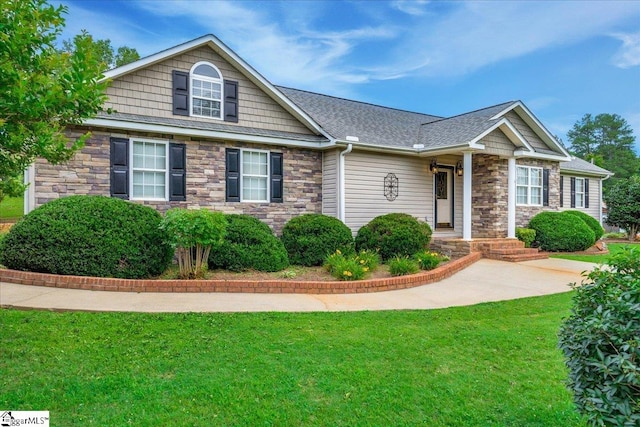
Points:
247	286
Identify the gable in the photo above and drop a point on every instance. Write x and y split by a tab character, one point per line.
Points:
148	91
529	134
497	143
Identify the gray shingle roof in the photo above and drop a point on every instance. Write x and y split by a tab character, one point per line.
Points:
578	165
372	124
211	126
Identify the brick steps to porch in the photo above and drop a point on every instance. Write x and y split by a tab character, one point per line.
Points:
512	250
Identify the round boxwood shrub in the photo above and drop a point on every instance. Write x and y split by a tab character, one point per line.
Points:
248	245
561	232
89	236
590	221
310	238
394	234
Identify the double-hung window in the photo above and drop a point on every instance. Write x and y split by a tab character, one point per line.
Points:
206	91
579	193
149	170
255	176
529	186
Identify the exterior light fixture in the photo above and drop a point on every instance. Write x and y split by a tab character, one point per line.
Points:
434	166
459	168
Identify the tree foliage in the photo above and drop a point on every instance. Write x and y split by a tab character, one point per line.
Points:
623	205
608	140
103	49
42	90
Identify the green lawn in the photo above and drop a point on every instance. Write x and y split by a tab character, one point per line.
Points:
492	364
614	248
11	208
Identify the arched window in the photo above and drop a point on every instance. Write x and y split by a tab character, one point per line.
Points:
206	90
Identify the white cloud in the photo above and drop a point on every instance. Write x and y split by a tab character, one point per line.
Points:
410	7
629	54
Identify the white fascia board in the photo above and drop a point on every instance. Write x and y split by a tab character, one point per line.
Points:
475	142
534	155
228	54
213	134
457	149
578	173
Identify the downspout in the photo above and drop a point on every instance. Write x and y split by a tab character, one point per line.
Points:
341	179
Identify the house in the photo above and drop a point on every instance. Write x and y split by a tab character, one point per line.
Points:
197	126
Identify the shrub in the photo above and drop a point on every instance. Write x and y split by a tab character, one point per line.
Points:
590	221
249	245
193	232
561	232
401	266
394	234
310	238
89	236
615	235
526	235
601	344
351	266
429	260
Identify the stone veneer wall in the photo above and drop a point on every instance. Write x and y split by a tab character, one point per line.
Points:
489	197
88	173
525	213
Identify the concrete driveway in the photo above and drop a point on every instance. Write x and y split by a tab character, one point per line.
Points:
486	280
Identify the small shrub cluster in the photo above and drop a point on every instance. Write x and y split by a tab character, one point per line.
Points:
615	235
89	236
429	260
394	234
601	343
526	235
310	238
401	266
351	266
590	221
561	232
249	245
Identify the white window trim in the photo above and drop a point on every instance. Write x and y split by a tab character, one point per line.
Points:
581	206
267	152
208	79
529	186
166	169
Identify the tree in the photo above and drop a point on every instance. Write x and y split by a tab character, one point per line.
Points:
102	49
42	90
608	140
623	204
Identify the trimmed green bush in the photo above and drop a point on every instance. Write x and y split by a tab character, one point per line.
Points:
561	232
526	235
395	234
89	236
601	344
310	238
249	245
401	266
590	221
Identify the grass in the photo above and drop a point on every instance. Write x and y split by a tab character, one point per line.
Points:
493	364
12	208
614	248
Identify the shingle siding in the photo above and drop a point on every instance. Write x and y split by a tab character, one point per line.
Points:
524	129
498	144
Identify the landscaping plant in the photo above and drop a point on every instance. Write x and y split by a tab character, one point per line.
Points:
310	238
193	232
590	221
601	342
526	235
89	236
351	266
561	232
401	266
394	234
249	244
428	260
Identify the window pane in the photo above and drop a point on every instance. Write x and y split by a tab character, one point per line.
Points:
536	177
206	70
522	176
521	195
579	185
536	196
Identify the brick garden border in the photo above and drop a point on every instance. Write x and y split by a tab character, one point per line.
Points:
235	286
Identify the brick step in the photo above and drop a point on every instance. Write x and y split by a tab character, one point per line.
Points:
525	257
512	251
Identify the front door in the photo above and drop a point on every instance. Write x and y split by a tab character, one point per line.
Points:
444	198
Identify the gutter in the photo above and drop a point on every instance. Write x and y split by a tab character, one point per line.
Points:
341	179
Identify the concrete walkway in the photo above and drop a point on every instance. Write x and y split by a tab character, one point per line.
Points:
486	280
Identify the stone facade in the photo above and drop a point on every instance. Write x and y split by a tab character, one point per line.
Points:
88	173
525	213
489	215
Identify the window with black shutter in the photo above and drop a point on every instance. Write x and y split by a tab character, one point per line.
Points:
573	192
232	174
561	191
586	193
177	172
230	101
276	178
254	176
545	187
119	168
180	93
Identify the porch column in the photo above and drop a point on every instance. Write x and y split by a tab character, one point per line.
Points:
30	192
511	189
466	196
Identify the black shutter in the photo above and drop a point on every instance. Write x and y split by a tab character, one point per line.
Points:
573	192
276	178
119	168
545	187
232	174
177	172
230	101
180	93
561	190
586	193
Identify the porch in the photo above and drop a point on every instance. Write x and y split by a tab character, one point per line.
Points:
503	249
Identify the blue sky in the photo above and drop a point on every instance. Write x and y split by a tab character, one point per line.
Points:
561	58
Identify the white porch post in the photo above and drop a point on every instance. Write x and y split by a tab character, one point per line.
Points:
511	189
30	193
466	196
